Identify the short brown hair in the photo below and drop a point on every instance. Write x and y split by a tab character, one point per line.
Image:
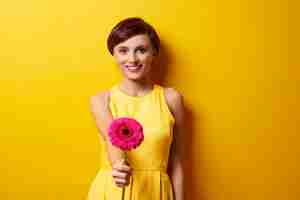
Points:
128	28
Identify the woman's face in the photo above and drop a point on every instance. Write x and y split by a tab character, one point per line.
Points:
135	56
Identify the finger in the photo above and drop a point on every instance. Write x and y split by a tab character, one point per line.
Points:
121	182
124	165
123	176
126	177
123	168
119	174
120	185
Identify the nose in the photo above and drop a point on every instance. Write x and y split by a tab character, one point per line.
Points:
132	57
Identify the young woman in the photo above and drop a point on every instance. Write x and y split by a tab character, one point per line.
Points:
154	170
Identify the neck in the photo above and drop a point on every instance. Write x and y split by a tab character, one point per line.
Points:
136	88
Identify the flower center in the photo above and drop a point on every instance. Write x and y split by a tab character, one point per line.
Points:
126	131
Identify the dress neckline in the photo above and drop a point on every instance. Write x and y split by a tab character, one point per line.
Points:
136	97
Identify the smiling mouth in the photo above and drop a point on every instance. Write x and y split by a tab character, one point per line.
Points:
134	68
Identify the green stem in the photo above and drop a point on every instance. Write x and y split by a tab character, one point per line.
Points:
123	193
123	188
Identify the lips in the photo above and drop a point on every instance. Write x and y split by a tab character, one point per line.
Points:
133	68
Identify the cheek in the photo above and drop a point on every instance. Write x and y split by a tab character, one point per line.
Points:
148	59
119	59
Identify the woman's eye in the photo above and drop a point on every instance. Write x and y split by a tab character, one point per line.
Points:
142	50
122	51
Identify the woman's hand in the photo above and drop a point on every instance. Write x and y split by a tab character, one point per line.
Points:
121	173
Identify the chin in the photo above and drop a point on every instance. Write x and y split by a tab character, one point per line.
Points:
135	78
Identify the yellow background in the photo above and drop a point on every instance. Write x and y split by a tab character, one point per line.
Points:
234	61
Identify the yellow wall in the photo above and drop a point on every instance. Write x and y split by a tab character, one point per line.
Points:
235	62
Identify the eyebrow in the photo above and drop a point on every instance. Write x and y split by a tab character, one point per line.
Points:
122	47
140	46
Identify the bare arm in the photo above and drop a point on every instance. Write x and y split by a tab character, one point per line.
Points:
175	168
99	107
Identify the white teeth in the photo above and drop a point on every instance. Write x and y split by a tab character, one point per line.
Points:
133	68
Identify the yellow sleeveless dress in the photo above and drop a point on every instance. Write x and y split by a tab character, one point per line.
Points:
149	161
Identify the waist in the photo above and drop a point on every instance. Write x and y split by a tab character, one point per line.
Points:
139	169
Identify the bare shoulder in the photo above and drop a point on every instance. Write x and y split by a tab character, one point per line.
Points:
100	99
174	99
99	95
